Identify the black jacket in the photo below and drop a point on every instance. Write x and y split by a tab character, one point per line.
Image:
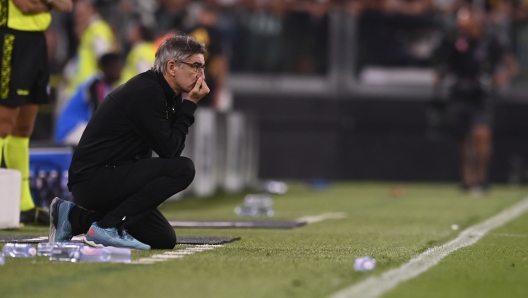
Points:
139	116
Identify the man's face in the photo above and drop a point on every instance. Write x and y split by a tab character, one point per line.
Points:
186	75
468	22
82	11
112	72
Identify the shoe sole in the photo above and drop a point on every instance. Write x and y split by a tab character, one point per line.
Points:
53	230
93	244
97	245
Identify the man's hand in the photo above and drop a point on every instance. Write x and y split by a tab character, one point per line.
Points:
61	5
31	6
200	90
39	6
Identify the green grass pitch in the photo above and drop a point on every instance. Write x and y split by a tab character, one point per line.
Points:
311	261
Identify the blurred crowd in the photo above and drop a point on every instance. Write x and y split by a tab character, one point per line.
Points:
255	36
273	36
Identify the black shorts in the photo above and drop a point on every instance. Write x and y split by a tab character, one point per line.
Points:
464	115
24	75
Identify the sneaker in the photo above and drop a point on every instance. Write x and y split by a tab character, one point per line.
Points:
60	226
110	237
37	215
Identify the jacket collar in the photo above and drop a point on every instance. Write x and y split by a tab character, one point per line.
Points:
169	93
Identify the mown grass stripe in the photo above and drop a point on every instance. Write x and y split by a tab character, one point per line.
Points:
378	285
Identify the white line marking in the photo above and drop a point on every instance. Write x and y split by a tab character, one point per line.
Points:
37	239
167	256
170	255
183	252
45	238
309	219
511	235
377	285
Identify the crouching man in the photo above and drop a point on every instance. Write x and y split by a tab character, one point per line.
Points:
116	184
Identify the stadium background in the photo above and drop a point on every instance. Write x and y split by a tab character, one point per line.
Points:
341	89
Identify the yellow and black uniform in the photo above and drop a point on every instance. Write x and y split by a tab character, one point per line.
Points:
24	65
24	80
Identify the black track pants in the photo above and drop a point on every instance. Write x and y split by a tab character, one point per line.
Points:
127	196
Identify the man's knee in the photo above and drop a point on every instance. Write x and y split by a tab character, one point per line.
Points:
186	169
168	241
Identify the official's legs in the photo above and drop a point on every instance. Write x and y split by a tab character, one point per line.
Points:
24	82
482	140
16	151
128	195
459	115
16	125
467	162
8	116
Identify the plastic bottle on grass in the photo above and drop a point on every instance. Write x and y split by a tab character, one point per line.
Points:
19	250
2	262
66	251
107	254
45	248
364	264
256	205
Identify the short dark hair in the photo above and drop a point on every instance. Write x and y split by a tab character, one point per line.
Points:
146	32
178	48
109	59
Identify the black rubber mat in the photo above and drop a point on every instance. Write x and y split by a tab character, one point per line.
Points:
192	240
226	224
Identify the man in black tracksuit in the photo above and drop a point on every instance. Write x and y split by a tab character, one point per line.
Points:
476	61
112	175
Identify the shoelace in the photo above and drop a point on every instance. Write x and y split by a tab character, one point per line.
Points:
127	236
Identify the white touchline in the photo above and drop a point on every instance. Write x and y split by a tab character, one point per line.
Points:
511	235
170	255
378	285
317	218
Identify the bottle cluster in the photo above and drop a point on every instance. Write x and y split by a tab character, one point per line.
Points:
66	252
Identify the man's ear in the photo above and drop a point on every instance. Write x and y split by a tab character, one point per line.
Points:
171	67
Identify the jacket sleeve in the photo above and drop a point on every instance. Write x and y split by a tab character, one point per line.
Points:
148	113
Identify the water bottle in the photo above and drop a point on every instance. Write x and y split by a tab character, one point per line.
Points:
2	262
44	248
258	200
19	250
107	254
252	211
256	205
274	187
364	264
63	251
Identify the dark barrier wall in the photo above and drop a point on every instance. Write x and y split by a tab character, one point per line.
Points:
373	139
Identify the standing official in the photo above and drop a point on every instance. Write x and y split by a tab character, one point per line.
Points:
24	80
479	65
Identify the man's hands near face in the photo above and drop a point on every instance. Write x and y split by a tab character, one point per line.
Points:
199	90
